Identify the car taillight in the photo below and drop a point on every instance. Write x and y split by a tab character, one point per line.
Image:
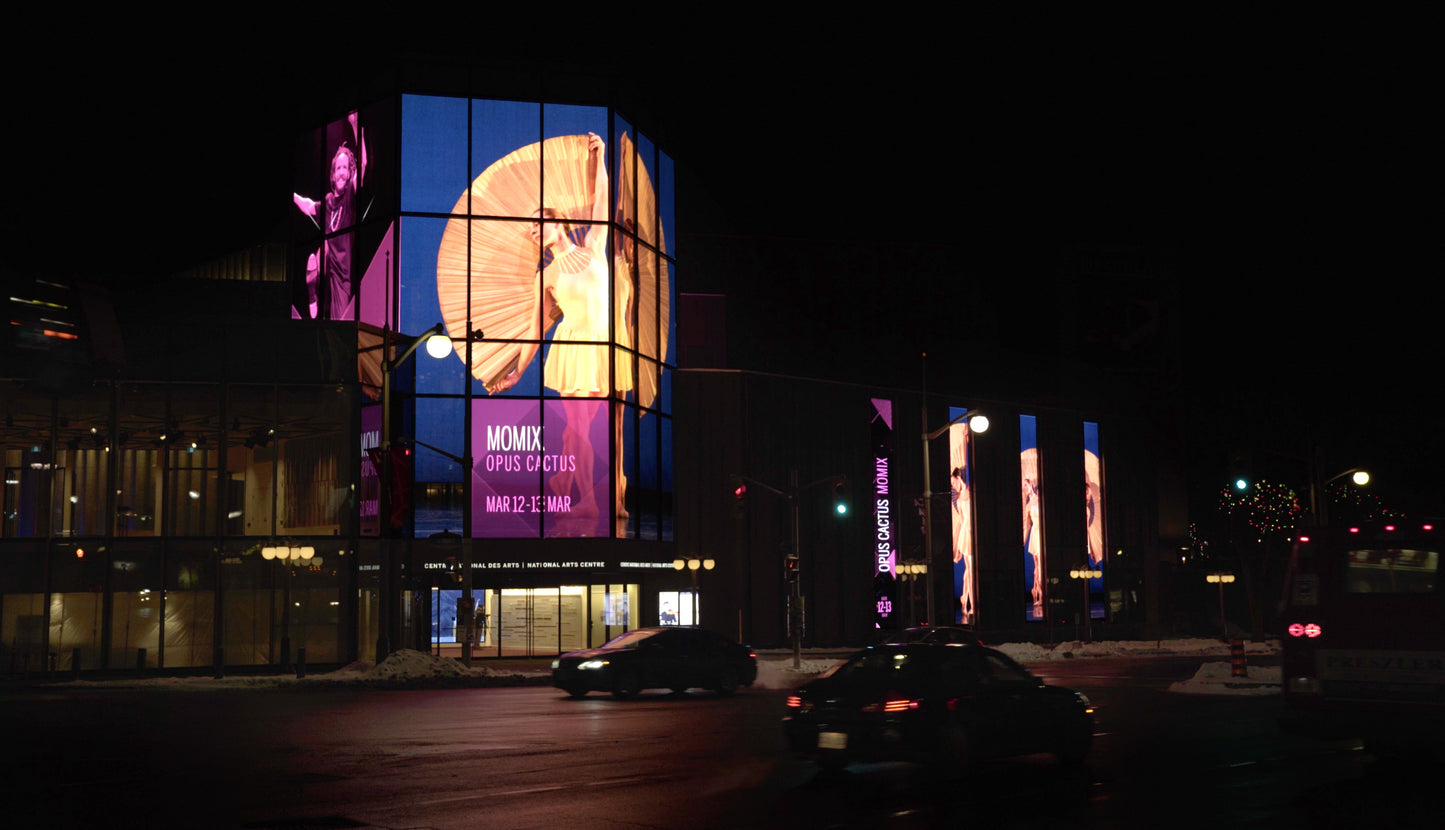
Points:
1307	630
795	701
892	704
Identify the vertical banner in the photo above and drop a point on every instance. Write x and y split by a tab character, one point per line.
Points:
1031	478
369	501
1094	516
884	560
960	487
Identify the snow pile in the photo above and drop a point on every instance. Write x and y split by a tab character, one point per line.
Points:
780	674
1218	679
409	664
1034	653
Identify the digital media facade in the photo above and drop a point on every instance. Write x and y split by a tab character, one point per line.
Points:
538	235
1094	516
960	487
885	548
1031	478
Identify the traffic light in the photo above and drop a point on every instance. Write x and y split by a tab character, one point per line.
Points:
790	566
840	497
740	494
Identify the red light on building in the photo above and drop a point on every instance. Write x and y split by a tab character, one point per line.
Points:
1389	528
1354	530
1427	527
1296	630
1304	538
1312	631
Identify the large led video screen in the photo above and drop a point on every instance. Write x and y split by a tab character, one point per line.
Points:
537	235
1031	476
960	492
342	175
1094	516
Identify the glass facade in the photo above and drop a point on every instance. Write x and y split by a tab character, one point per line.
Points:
138	512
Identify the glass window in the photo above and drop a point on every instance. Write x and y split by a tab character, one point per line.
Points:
1392	571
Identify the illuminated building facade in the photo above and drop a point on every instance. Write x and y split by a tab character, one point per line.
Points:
230	492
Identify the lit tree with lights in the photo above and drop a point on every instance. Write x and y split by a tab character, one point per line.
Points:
1261	517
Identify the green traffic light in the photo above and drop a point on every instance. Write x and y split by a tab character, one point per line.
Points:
1241	484
842	509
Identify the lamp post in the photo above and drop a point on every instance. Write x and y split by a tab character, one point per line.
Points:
438	346
912	572
978	423
286	555
1320	502
1220	578
1084	575
692	564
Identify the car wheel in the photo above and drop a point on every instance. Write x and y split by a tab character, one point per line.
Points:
727	682
576	691
627	685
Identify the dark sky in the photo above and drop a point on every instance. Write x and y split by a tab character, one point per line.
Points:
1288	168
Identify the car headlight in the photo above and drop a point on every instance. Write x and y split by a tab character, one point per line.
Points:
556	664
592	664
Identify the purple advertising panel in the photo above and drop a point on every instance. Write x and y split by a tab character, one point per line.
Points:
540	468
508	448
370	519
1030	474
575	471
884	559
960	487
1094	516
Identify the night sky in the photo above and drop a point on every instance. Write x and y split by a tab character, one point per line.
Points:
1287	170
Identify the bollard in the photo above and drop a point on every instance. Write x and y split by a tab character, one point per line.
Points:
140	661
75	662
301	662
1237	664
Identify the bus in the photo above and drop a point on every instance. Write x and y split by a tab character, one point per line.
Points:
1364	645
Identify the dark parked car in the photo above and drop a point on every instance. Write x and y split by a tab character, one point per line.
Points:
934	703
961	635
666	657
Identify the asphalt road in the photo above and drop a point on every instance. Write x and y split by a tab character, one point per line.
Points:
531	758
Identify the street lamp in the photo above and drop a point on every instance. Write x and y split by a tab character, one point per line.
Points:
438	345
978	423
1220	578
1084	575
692	564
1321	501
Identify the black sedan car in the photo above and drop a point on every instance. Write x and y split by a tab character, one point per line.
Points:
959	634
665	657
934	703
